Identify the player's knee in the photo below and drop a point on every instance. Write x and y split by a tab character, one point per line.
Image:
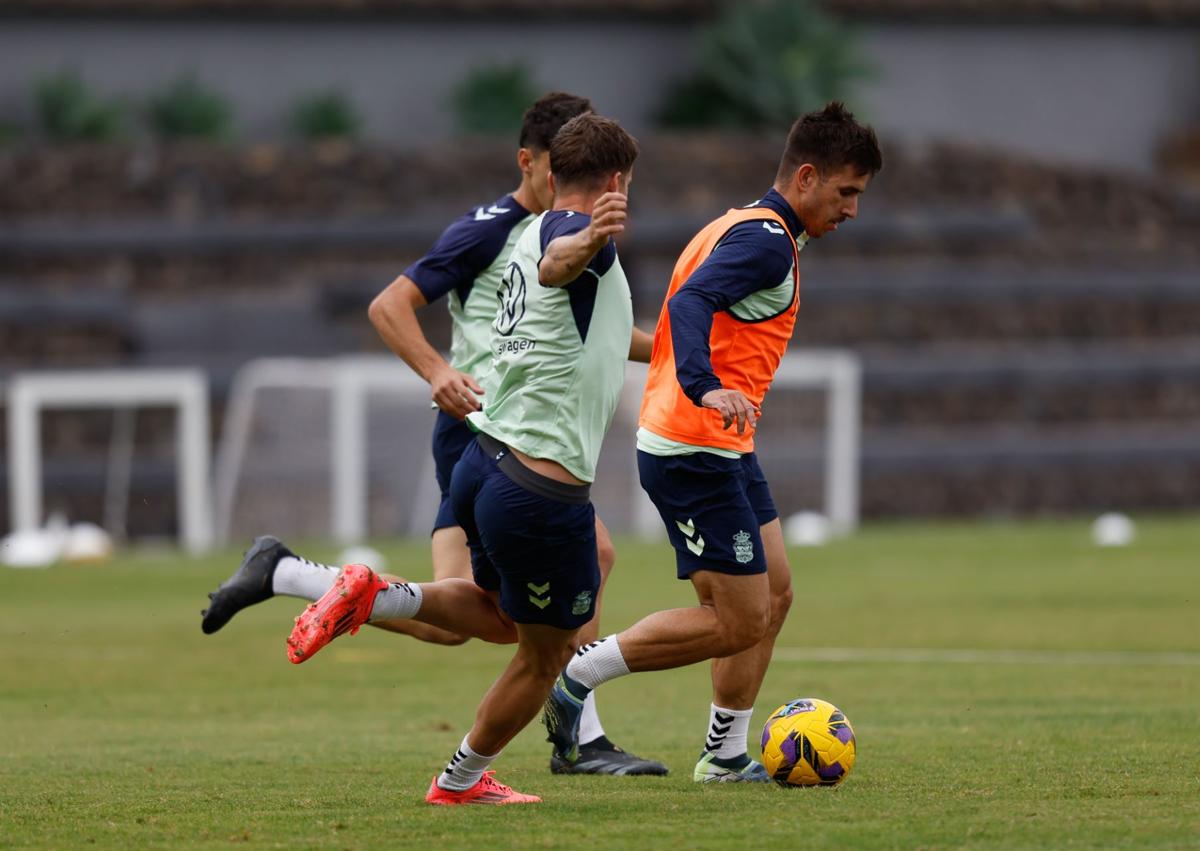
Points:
545	663
781	604
743	631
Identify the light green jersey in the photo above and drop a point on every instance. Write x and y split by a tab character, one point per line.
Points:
466	265
558	353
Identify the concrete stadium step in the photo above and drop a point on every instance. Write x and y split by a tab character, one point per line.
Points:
999	471
962	384
914	301
73	324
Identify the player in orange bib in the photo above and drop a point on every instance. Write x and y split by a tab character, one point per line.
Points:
725	323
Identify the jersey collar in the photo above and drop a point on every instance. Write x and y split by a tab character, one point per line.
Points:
780	205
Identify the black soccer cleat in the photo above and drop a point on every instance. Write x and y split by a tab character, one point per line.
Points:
250	583
601	756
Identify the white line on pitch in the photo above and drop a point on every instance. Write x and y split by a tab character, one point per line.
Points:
980	657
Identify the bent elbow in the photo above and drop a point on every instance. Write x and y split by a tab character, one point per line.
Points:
377	310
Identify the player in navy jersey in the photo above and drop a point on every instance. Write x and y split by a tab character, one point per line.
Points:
464	266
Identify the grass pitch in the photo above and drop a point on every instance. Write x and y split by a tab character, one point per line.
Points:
1010	686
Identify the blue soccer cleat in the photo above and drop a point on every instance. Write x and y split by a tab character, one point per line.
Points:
561	715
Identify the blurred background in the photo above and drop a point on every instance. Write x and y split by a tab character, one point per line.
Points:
202	184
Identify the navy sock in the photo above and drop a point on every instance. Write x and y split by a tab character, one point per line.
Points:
737	763
575	688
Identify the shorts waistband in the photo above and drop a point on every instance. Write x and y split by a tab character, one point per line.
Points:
532	481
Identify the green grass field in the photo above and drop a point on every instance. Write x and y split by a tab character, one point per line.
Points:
1073	722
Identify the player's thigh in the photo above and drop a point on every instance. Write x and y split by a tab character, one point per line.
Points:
606	553
451	555
779	570
770	530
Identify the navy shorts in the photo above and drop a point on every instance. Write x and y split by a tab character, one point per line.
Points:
538	552
450	438
712	507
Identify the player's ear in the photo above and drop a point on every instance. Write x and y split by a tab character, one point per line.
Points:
525	160
553	183
614	182
806	177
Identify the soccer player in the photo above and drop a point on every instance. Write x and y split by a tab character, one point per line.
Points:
465	266
521	489
725	323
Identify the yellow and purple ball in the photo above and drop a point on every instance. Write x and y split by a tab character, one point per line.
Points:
808	742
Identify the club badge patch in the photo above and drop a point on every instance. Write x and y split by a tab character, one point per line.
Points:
743	549
582	603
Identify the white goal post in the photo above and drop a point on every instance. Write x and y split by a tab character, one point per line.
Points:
348	380
348	383
185	390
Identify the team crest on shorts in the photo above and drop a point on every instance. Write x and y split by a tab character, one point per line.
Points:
583	602
743	549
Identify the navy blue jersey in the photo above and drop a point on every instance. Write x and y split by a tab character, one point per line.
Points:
582	290
467	263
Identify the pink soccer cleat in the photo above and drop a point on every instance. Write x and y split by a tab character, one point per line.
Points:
488	790
344	608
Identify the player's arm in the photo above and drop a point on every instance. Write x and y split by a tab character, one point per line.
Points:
463	250
640	346
394	314
565	258
747	260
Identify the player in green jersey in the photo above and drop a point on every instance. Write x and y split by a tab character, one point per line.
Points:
521	491
465	266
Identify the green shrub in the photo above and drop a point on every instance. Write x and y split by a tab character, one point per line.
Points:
10	132
762	64
325	115
186	109
68	111
493	99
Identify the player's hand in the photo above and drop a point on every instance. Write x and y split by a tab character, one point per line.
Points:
733	407
608	217
455	392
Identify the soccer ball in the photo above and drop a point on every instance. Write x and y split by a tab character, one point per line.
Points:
808	742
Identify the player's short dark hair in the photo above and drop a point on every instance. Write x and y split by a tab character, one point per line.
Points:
589	148
547	115
830	139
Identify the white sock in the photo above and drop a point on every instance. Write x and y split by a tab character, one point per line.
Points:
589	721
299	577
398	600
597	663
464	769
727	731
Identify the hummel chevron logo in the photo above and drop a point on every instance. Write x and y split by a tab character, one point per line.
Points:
482	215
536	597
721	725
695	542
770	227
